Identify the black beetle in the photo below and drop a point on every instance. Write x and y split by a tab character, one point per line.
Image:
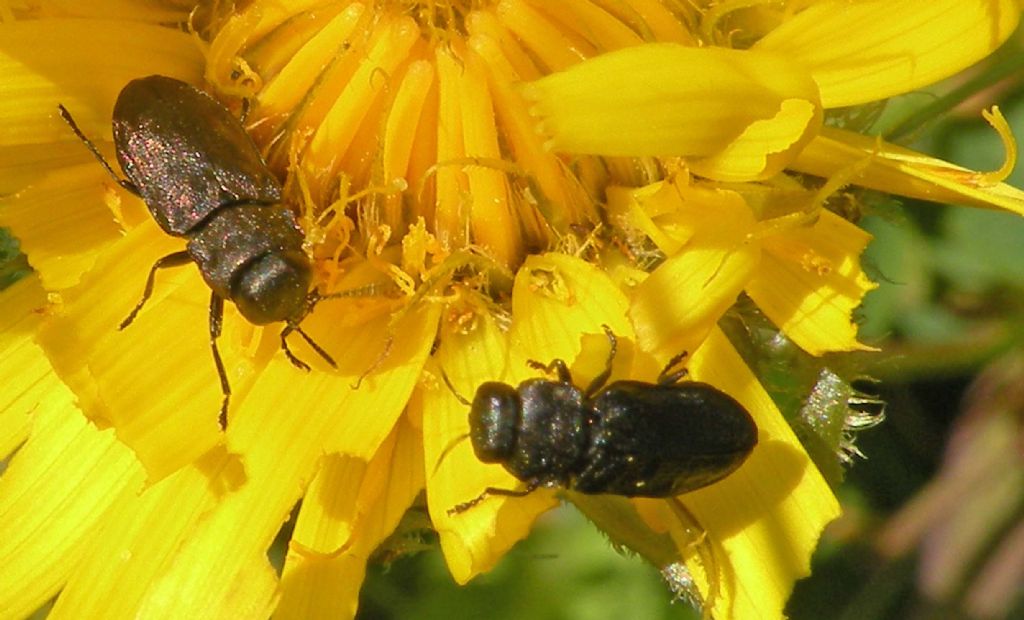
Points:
628	438
202	178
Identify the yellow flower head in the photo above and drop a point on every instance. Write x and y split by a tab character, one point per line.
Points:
479	184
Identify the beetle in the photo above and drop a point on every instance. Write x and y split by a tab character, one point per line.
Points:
629	438
202	178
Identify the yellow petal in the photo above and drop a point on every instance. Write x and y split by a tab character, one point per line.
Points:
28	376
705	233
281	428
253	594
474	540
155	380
49	61
766	146
198	580
557	298
327	586
62	223
682	300
124	9
357	93
589	22
866	51
53	497
635	209
540	36
666	99
254	22
809	282
764	520
393	352
494	225
140	536
897	170
672	213
284	91
562	200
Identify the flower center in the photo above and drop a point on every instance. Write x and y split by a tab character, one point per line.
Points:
440	17
401	129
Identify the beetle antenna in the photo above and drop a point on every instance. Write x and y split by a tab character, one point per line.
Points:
367	290
458	439
125	183
462	399
447	449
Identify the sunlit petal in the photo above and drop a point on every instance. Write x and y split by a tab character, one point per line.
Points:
341	533
866	51
776	493
167	419
54	496
475	540
46	62
809	281
139	538
901	171
662	99
20	316
65	244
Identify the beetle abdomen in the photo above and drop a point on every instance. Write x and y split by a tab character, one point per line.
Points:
662	440
167	135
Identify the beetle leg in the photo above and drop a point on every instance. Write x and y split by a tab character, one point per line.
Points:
289	328
556	365
532	486
216	322
602	378
176	259
301	365
667	378
125	183
705	553
320	351
245	110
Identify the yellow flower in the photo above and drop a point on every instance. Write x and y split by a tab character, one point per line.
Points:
484	195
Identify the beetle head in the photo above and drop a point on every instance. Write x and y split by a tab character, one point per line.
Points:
273	288
493	419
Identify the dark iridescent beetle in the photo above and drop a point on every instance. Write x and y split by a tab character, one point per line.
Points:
627	438
202	178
